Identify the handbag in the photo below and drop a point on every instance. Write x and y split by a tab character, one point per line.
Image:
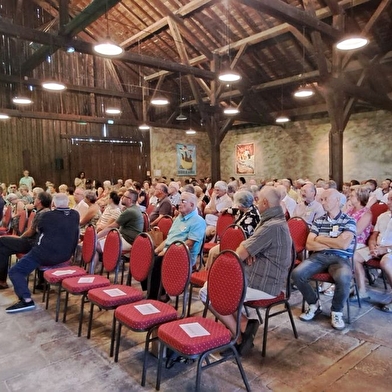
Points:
156	236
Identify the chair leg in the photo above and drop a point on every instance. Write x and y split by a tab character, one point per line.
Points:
146	347
90	320
81	314
57	301
65	307
160	363
190	299
112	336
118	338
265	332
241	369
288	307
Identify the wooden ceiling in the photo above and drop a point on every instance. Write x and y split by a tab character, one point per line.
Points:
178	47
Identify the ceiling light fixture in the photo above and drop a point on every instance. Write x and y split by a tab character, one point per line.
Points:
144	127
112	110
352	42
304	92
181	117
159	101
190	132
53	85
229	76
4	116
20	100
231	110
282	119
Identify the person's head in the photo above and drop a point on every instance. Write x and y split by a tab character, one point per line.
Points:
331	184
320	183
308	192
70	190
90	197
107	184
220	188
12	198
385	185
354	182
36	191
188	188
81	174
63	188
24	190
115	198
286	183
243	200
346	188
44	199
26	173
269	197
137	186
78	195
389	200
359	195
129	198
188	203
12	188
282	190
60	200
146	185
173	188
161	190
372	183
242	180
198	191
330	200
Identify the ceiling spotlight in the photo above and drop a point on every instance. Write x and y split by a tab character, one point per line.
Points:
190	132
4	116
304	92
113	111
144	127
351	43
108	48
229	76
282	119
70	49
22	100
231	111
181	117
159	101
52	85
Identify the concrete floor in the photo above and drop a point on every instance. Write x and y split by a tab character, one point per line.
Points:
38	354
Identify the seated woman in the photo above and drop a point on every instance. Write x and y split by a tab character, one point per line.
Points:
93	212
246	215
359	197
111	213
18	207
103	199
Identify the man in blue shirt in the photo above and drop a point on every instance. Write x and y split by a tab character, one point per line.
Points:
189	227
331	241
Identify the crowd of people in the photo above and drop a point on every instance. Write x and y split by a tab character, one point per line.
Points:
340	228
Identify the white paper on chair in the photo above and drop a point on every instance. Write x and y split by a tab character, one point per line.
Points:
194	330
88	279
63	272
114	292
147	309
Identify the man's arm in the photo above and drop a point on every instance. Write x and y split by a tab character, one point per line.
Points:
313	245
342	241
106	230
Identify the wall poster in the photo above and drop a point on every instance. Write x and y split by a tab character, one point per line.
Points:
245	158
186	159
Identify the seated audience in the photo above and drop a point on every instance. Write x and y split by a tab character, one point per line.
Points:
308	208
81	206
163	206
111	213
93	212
174	194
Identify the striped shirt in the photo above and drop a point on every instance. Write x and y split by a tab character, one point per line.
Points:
328	227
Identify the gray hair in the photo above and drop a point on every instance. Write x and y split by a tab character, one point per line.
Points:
221	185
91	196
60	200
243	199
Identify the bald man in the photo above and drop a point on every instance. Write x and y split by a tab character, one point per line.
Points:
331	241
267	255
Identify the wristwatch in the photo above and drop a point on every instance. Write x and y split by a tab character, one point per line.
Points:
389	250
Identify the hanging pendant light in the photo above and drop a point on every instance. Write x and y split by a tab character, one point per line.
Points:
144	127
4	116
304	92
113	110
159	100
229	76
53	85
282	119
21	100
231	110
352	42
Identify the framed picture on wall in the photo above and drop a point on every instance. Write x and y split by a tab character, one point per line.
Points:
245	158
186	159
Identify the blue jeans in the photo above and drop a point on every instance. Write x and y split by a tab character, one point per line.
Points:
338	267
19	273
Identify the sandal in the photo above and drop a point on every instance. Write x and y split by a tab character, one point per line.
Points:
386	308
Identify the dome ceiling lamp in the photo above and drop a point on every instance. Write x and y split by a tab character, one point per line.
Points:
113	110
231	110
22	100
53	85
4	116
159	100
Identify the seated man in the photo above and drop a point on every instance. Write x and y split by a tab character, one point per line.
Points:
10	245
163	206
58	235
130	222
189	227
331	241
308	208
219	201
267	254
380	245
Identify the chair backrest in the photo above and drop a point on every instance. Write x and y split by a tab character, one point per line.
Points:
141	257
146	222
290	270
224	221
7	216
200	259
22	222
150	209
226	283
376	210
232	237
299	231
176	269
31	219
89	247
165	224
111	256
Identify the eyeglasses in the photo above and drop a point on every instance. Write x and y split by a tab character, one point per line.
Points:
183	201
127	197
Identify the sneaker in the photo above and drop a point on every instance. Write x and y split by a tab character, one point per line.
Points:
330	291
312	311
337	320
21	306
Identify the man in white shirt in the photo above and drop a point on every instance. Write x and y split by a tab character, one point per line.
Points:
81	206
309	208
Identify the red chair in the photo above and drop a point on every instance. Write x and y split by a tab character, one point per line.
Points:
224	221
299	231
176	268
146	222
141	260
377	209
55	276
226	272
6	222
164	225
231	239
282	299
111	260
21	223
150	209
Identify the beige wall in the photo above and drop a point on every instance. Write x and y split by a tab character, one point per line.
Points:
300	149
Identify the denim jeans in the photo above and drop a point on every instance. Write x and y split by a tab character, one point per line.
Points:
19	273
338	267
